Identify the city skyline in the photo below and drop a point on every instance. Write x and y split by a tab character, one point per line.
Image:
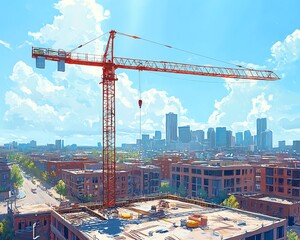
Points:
46	105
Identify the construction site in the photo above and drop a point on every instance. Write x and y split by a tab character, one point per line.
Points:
163	217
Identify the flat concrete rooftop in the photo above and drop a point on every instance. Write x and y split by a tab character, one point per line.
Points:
32	209
141	223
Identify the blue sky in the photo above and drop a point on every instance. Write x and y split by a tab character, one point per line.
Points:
46	105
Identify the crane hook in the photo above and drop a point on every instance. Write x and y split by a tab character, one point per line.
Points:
140	102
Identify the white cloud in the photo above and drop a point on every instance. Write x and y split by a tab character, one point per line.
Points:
5	44
79	21
287	51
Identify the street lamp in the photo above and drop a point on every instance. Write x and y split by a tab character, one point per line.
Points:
33	230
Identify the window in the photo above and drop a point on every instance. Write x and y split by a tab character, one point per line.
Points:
269	234
280	171
205	181
280	232
193	170
186	170
177	169
238	172
269	171
228	173
289	172
269	180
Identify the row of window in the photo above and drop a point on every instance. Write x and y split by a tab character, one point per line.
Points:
207	172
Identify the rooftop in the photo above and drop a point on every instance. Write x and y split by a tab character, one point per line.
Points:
32	209
167	219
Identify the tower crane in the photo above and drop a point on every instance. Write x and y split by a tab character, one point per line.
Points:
110	64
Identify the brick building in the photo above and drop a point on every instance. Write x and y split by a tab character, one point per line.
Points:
270	205
24	218
82	183
280	181
140	180
5	184
213	179
164	162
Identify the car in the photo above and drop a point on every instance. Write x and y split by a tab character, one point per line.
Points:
33	190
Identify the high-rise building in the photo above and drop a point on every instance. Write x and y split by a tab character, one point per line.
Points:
261	126
145	141
247	138
239	139
157	135
171	127
58	144
197	136
296	146
184	134
211	138
281	145
228	138
220	136
267	140
32	144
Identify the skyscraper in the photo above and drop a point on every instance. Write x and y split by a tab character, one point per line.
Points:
197	136
211	138
221	136
171	127
184	134
247	138
228	138
261	126
239	139
157	135
267	140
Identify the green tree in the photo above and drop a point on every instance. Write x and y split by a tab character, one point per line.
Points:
231	202
291	235
16	176
181	190
166	188
45	175
60	188
202	193
6	232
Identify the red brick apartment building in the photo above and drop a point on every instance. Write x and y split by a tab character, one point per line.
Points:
280	181
164	162
4	179
81	183
138	181
25	217
271	205
213	179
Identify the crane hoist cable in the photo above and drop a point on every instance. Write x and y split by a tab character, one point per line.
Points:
140	103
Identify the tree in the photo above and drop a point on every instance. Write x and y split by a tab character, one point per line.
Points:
6	232
16	176
166	188
181	190
291	235
202	193
45	175
60	188
231	202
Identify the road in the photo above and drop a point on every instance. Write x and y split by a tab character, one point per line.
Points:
41	196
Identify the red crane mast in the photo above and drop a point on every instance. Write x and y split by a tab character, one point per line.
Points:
109	64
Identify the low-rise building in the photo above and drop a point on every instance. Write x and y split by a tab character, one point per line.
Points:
270	205
280	181
5	183
212	179
167	217
30	221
